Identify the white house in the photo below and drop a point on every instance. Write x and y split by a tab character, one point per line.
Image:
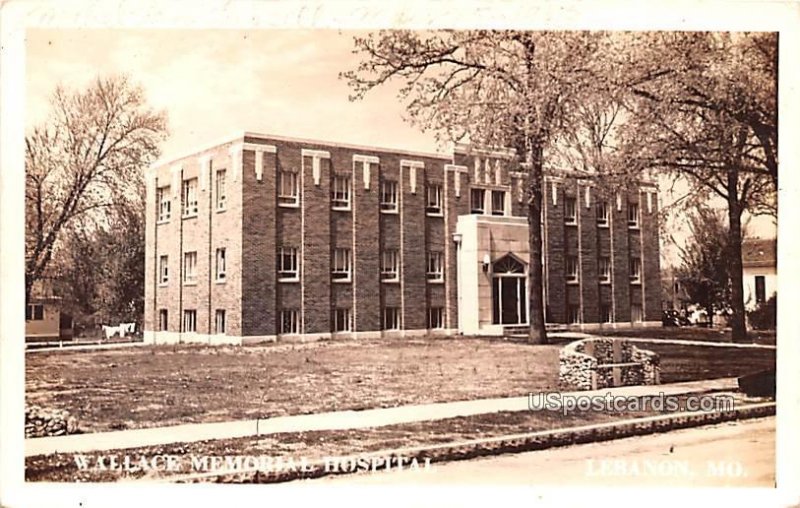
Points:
760	270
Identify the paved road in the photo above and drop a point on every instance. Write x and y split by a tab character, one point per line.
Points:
732	454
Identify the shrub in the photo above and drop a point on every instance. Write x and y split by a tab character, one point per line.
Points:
764	316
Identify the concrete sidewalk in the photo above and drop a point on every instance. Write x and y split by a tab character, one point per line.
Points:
339	420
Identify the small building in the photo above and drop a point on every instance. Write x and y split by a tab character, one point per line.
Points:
759	270
264	237
44	320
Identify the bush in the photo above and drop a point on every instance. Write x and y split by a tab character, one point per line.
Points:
764	317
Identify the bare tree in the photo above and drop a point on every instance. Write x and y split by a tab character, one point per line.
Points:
497	88
88	156
705	108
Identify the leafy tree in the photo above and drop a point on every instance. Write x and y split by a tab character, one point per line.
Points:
704	107
81	163
704	273
496	88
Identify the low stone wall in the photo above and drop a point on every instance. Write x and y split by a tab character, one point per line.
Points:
581	364
41	422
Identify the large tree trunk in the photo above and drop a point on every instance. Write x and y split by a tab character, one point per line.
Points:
738	328
537	333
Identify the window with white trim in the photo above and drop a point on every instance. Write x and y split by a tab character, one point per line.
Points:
477	201
220	265
219	321
574	314
342	320
288	264
190	197
189	320
289	322
601	210
389	265
163	320
34	312
288	188
604	269
164	203
636	270
435	270
388	196
605	313
570	211
342	265
633	215
435	318
434	204
340	192
498	202
222	197
391	318
163	270
190	267
571	269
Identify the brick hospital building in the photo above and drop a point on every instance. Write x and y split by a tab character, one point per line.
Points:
263	237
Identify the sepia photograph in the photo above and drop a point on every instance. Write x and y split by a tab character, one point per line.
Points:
334	255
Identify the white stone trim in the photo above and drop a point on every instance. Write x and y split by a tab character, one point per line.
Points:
554	191
457	176
587	195
258	147
259	165
236	160
487	170
649	201
619	202
318	154
498	172
372	159
205	165
412	164
176	180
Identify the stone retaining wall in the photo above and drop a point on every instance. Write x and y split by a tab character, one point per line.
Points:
581	364
41	422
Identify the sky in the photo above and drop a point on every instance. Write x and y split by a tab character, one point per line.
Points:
217	83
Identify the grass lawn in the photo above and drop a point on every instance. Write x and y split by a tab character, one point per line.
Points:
318	444
168	385
690	333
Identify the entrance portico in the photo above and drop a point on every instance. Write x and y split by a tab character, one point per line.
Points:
492	273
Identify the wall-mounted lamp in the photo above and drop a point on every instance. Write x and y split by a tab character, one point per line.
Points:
486	261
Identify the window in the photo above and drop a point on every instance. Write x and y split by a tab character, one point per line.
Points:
604	269
221	196
391	318
220	264
636	270
340	194
636	313
341	320
163	320
633	215
498	202
602	213
389	265
163	270
477	200
434	206
288	191
570	211
605	313
574	314
34	312
761	289
289	322
435	266
219	321
389	196
189	267
287	264
572	269
341	265
190	197
164	203
435	318
190	321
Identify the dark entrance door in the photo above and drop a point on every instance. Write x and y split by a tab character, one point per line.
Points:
508	300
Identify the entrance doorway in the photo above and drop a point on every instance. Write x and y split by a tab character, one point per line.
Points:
509	292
